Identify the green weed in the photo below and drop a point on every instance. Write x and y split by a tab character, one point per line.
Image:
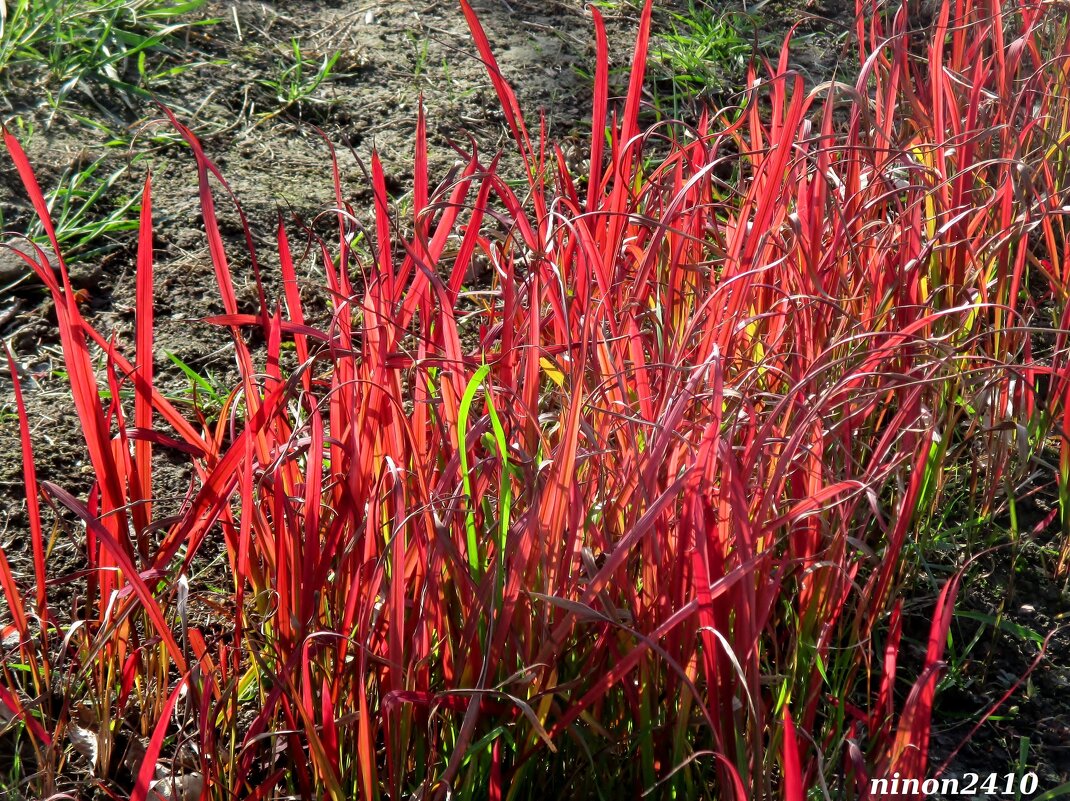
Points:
83	221
206	391
102	42
706	51
297	77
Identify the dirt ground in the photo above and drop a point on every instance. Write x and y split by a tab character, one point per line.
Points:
390	54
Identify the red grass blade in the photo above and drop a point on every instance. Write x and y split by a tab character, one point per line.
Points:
147	770
33	506
144	369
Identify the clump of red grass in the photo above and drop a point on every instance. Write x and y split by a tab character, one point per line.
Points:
647	533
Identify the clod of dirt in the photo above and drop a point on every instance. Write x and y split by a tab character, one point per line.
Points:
12	267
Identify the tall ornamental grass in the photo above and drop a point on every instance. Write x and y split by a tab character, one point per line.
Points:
636	516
